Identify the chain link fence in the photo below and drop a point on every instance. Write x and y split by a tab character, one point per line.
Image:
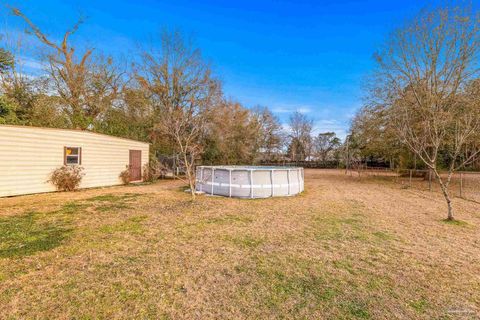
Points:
330	164
464	184
173	165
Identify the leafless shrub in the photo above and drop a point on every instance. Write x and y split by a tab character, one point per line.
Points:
67	178
125	176
153	170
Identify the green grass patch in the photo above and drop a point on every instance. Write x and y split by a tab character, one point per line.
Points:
114	197
132	225
113	202
24	235
334	228
297	283
228	219
456	222
356	309
221	220
344	265
383	235
420	305
246	242
31	232
72	208
112	207
303	289
375	283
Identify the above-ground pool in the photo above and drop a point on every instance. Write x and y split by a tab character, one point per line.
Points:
249	181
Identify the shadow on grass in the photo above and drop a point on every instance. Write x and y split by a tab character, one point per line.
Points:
32	232
184	189
25	235
113	202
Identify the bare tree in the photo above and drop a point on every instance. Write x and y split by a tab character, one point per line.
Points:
19	90
86	88
270	133
233	135
182	92
375	135
425	75
300	136
324	144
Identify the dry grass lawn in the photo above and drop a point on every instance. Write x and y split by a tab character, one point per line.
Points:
348	248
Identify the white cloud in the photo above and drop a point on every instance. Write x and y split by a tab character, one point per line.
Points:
281	110
286	127
330	125
304	110
325	125
292	109
31	63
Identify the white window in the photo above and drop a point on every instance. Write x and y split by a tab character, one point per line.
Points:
72	156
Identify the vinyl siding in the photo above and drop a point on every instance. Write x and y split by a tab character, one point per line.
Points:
28	155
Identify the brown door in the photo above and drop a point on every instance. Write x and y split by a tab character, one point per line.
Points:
135	165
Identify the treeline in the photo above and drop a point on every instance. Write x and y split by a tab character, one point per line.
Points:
168	91
167	96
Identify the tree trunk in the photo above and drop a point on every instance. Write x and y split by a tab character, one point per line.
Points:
190	175
449	204
446	195
450	211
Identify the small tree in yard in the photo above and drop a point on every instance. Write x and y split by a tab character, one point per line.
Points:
182	92
426	79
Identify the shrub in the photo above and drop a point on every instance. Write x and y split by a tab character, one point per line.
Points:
67	178
153	170
125	176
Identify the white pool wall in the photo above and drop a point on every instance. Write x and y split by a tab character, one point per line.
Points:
250	181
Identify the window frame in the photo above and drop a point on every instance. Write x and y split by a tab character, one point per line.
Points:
65	156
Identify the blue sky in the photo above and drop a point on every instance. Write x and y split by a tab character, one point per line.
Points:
311	56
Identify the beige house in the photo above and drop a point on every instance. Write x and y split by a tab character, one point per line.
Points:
28	155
